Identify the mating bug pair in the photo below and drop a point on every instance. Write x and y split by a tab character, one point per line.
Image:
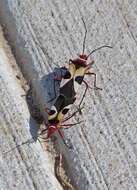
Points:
70	83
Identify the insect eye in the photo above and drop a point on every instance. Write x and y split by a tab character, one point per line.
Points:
52	112
79	79
67	75
65	111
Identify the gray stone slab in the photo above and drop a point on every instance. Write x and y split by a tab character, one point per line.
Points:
21	167
47	33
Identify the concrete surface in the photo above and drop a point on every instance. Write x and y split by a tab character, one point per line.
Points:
45	34
25	166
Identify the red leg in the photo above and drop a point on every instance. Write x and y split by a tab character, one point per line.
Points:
51	131
87	86
85	83
59	132
69	117
90	73
58	77
91	63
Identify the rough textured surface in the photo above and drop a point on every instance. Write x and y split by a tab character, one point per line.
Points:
26	166
47	33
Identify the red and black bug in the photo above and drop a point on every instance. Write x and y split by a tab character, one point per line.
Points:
78	68
70	83
56	116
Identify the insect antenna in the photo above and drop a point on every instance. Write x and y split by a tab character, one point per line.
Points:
84	26
105	46
17	146
84	36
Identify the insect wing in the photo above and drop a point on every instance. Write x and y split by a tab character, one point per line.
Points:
62	113
78	78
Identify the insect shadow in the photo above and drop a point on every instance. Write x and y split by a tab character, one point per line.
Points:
50	88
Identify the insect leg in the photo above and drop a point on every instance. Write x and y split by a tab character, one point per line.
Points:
90	73
84	93
69	117
59	132
60	76
87	86
55	78
89	65
70	125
